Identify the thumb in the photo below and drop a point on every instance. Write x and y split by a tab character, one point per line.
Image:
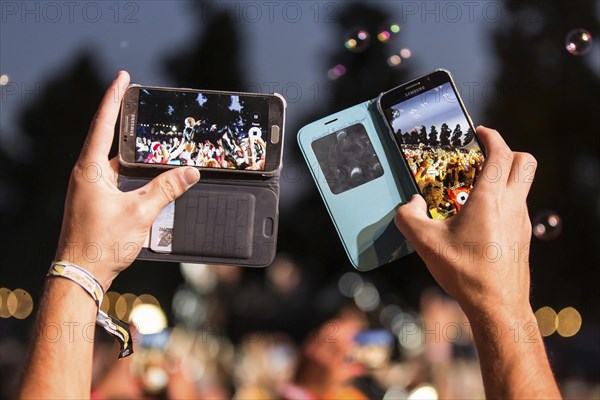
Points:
167	187
412	219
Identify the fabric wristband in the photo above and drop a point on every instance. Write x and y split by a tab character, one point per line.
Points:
114	327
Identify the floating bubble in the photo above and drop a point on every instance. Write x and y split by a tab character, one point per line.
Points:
547	225
578	42
357	40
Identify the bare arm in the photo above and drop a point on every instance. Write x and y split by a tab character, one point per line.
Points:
487	270
108	224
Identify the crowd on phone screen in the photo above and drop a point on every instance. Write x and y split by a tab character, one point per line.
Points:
443	173
202	144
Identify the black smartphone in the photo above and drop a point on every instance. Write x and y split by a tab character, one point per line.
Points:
437	139
228	131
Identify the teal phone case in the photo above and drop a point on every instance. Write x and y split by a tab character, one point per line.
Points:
363	215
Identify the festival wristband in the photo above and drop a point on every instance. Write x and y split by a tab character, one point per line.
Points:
114	327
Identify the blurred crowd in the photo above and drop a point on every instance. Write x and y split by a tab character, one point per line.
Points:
361	351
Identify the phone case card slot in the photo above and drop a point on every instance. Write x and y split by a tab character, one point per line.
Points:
214	224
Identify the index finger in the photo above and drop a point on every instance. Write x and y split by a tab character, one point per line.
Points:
100	135
498	163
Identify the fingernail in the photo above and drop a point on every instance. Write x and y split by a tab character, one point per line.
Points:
191	176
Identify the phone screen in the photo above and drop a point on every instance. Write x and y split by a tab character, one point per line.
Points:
439	146
202	129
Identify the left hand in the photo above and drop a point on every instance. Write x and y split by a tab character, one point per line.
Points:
104	229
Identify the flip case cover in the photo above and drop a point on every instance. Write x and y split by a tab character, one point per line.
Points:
363	215
220	220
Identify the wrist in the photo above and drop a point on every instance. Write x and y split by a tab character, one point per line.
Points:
95	267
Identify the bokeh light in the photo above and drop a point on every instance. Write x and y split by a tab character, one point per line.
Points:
405	53
124	305
388	313
357	40
349	283
547	321
424	392
109	301
569	322
146	299
4	80
394	60
384	36
546	225
395	393
336	72
578	42
366	297
19	303
148	318
4	293
201	277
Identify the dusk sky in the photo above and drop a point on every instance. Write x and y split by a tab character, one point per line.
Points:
434	107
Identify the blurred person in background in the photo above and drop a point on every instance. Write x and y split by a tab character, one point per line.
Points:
494	295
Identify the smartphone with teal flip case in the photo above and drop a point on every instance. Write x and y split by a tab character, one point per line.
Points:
356	165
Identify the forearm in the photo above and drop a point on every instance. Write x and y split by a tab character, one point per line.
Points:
512	356
60	363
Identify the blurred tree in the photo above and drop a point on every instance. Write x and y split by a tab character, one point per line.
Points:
211	59
432	139
456	136
468	136
445	135
423	134
546	103
53	127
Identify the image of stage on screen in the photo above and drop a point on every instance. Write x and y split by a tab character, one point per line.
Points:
201	129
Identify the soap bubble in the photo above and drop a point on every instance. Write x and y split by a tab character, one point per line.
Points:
547	225
357	40
578	42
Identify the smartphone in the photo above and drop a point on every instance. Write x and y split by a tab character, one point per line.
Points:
212	130
437	139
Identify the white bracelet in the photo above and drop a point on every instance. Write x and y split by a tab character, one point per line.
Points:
114	327
80	276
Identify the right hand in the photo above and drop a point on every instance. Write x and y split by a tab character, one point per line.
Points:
481	255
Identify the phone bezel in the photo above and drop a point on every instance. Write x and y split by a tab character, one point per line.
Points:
424	83
127	134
